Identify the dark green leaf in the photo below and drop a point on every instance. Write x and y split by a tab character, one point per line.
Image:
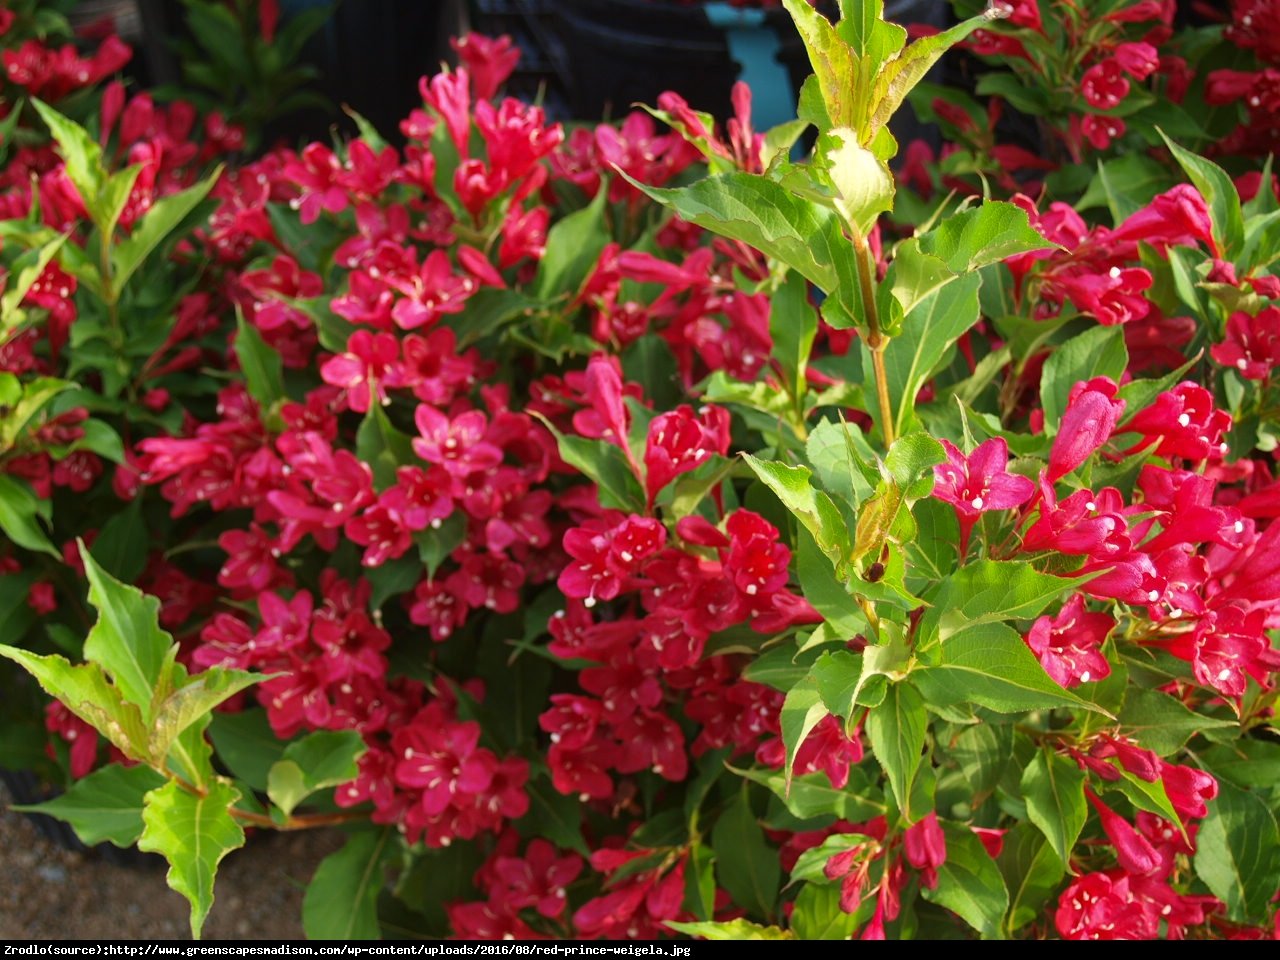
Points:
969	882
260	364
896	732
1053	788
341	902
1098	352
1161	723
572	249
1238	853
745	864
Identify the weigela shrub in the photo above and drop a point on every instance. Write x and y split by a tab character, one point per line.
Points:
608	526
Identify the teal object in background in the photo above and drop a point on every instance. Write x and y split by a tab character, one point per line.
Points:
754	46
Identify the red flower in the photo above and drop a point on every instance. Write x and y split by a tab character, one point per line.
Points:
1068	644
1087	423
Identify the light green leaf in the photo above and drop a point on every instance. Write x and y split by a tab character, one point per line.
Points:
1053	788
1032	872
341	902
812	507
126	640
812	795
155	226
989	665
23	274
84	690
927	334
730	930
793	324
800	233
974	238
817	914
105	806
863	183
995	590
802	710
82	156
1219	192
19	509
195	698
193	833
319	760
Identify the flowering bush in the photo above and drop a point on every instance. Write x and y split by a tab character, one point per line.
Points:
597	568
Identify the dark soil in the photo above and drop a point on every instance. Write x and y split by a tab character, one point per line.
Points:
49	893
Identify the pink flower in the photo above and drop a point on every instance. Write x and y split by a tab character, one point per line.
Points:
1068	645
1087	423
489	61
979	482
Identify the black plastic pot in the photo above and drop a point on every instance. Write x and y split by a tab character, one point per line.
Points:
26	789
622	52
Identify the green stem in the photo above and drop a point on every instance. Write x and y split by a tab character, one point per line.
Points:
876	340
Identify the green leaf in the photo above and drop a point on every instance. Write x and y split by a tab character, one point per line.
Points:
1238	853
836	675
23	274
383	447
193	833
190	702
121	545
974	238
1032	872
1219	192
1098	352
319	760
900	75
486	312
989	591
896	731
82	156
800	233
983	752
1125	185
842	460
572	249
436	544
19	509
606	465
729	930
1162	723
154	226
802	710
864	185
700	883
260	364
246	744
793	324
1053	788
1253	764
928	332
554	816
817	914
341	902
126	640
969	882
812	795
812	507
745	864
106	805
989	665
839	73
84	690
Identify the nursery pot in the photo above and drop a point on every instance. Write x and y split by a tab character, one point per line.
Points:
623	52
